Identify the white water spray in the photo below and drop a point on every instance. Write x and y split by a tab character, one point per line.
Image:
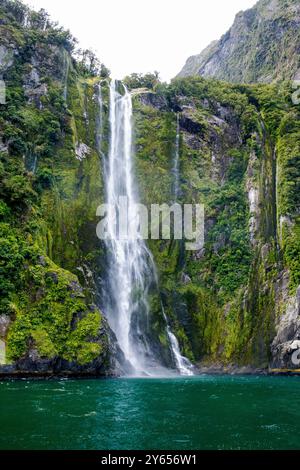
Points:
184	366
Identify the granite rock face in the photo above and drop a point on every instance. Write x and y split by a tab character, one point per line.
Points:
286	344
261	46
6	58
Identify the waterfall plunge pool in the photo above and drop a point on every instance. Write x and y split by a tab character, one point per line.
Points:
183	413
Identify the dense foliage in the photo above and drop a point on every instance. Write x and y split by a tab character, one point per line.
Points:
239	156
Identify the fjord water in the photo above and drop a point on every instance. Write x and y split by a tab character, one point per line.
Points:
203	412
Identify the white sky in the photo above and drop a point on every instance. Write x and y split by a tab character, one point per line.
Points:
144	35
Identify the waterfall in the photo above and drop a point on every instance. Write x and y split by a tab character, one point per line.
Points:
26	19
31	160
184	366
99	124
45	24
131	269
175	169
66	75
129	261
34	164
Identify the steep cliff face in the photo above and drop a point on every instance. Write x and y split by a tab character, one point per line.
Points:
262	46
238	152
51	184
234	302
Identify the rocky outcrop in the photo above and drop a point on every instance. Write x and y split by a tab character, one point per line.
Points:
261	46
6	58
286	344
110	363
82	151
151	99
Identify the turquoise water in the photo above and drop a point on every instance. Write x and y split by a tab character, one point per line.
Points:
205	412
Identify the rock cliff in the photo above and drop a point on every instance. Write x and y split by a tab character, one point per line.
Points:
234	303
261	46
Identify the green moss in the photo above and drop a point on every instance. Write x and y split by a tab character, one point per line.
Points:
79	346
288	149
44	344
226	311
291	247
46	314
163	339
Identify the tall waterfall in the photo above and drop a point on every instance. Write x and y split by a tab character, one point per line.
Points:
130	263
131	269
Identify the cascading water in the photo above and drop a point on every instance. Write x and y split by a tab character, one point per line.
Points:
175	169
130	273
66	75
26	19
183	364
99	124
34	164
131	269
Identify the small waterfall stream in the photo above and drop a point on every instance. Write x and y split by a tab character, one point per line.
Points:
66	75
34	164
175	169
99	123
26	19
184	366
131	269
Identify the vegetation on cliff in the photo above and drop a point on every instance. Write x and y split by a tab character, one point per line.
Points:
239	148
238	155
49	194
261	46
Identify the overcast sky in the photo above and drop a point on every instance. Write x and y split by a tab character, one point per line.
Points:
144	35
